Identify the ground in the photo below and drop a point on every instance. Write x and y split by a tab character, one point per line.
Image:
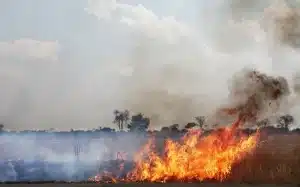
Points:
150	185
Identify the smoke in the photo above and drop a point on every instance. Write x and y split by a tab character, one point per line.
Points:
58	148
170	63
169	67
172	81
64	156
254	94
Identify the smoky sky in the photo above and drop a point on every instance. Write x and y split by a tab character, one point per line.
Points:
166	66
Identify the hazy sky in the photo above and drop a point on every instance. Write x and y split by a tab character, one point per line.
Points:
68	64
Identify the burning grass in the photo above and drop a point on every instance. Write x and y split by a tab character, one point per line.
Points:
225	154
258	158
194	158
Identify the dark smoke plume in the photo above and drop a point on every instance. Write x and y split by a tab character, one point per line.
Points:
253	92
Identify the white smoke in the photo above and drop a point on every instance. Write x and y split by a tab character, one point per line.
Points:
180	74
171	67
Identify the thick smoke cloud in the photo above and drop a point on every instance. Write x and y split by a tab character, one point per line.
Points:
169	69
174	81
170	65
253	94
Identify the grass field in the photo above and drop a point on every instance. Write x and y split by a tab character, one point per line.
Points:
276	160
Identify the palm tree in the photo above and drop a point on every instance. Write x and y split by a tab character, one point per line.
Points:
126	115
121	118
118	118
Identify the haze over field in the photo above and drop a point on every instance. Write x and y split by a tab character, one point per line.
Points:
69	64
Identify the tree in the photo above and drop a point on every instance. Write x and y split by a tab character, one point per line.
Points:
190	125
263	123
285	121
200	121
164	129
106	129
118	118
1	127
174	128
126	116
139	123
121	118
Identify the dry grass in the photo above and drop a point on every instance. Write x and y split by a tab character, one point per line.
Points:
276	160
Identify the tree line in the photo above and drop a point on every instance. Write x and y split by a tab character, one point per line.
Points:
124	121
139	122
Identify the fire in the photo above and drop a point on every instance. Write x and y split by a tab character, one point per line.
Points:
194	158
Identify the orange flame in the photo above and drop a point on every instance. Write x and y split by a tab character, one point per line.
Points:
194	158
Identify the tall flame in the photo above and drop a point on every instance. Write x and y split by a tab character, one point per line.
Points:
194	159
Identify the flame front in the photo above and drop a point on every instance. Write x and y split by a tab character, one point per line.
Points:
194	159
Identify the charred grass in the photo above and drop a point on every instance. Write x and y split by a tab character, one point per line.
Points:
276	160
